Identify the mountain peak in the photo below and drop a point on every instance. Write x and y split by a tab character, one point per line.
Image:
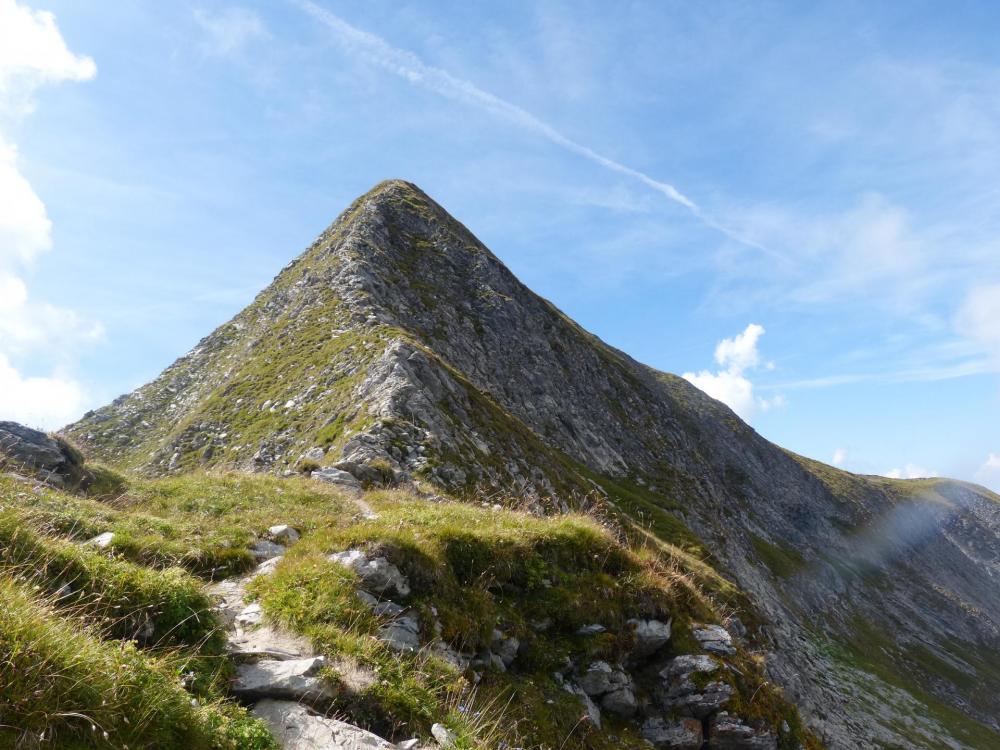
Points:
398	347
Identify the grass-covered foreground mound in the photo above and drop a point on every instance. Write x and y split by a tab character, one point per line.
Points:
476	571
119	646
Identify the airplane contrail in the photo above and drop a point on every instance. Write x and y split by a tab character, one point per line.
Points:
410	67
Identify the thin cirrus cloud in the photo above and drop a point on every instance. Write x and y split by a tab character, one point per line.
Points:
33	53
229	30
815	260
415	71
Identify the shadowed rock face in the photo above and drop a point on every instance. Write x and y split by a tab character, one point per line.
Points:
398	345
23	449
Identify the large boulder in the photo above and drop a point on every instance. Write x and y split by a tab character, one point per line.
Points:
296	727
52	460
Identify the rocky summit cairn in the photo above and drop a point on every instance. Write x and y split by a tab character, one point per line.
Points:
398	347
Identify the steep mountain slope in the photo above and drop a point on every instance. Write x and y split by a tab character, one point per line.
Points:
398	345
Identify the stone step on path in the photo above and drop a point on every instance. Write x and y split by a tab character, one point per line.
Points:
278	672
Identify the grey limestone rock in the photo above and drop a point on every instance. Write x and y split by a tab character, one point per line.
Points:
293	679
297	727
728	732
681	734
50	459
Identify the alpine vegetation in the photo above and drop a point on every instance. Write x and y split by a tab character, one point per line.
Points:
401	501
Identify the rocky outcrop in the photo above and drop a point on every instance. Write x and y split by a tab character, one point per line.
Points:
51	459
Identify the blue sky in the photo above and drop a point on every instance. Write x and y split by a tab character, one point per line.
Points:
796	207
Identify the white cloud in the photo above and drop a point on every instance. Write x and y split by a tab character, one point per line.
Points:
43	402
32	53
26	325
411	68
730	385
978	318
230	30
910	471
989	472
25	229
823	258
740	352
839	457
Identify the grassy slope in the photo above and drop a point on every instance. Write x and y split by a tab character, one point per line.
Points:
477	567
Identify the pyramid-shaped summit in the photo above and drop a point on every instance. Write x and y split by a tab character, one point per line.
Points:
399	340
397	346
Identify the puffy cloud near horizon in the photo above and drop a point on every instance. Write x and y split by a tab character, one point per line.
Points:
42	402
989	472
839	457
32	53
910	471
730	385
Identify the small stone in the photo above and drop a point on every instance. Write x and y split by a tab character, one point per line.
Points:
593	712
283	533
314	454
101	540
444	736
410	744
250	616
714	639
684	734
594	629
680	693
730	733
505	648
456	658
735	626
687	664
621	702
367	598
650	636
267	567
265	550
402	634
63	591
597	680
388	609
